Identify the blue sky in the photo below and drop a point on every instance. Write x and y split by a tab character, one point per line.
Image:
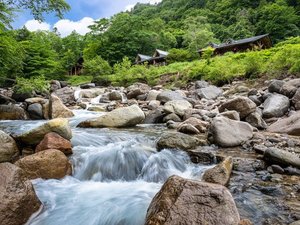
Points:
82	13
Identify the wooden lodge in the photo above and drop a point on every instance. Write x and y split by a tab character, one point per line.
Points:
252	43
158	58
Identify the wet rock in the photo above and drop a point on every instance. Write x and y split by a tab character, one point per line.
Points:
154	116
178	141
114	96
233	115
121	117
97	108
295	223
275	86
290	125
277	169
296	99
36	100
21	97
177	106
276	106
182	201
8	148
220	174
55	141
66	95
172	117
63	83
248	165
137	89
282	157
166	96
59	110
292	171
36	135
255	120
17	196
288	89
12	112
243	105
4	100
210	92
229	133
49	164
88	86
201	84
255	99
35	111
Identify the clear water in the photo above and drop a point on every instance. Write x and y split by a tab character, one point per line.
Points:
116	174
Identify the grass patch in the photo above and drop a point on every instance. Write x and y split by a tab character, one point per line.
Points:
78	80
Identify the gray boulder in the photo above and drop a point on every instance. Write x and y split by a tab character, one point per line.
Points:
182	201
12	112
58	109
166	96
8	148
177	106
66	95
137	89
35	111
114	96
256	120
276	105
275	86
154	116
178	141
282	157
121	117
296	99
243	105
210	92
229	133
201	84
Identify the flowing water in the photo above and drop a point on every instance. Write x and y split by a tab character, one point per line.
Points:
116	173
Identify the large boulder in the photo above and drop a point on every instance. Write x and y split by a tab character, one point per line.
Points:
177	106
18	200
220	174
55	141
256	120
154	116
66	95
58	109
12	112
229	133
167	96
178	141
276	105
210	92
8	148
121	117
290	125
49	164
282	157
4	100
35	136
182	201
243	105
275	86
115	96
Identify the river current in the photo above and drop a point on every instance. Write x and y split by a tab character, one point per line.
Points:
116	173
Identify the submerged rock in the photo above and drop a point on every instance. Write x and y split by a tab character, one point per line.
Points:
220	174
8	147
243	105
49	164
178	141
121	117
182	201
18	200
229	133
55	141
12	112
60	126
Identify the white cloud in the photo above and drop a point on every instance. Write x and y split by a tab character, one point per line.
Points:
34	25
65	27
129	7
152	2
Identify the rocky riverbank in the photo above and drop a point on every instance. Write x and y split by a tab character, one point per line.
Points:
250	130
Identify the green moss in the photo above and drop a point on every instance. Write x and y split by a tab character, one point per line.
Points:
78	80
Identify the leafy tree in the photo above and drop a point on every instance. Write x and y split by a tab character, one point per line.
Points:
96	67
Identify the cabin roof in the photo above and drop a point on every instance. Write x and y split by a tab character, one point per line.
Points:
143	57
160	53
231	42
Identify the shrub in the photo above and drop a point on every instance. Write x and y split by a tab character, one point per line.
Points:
97	66
180	55
37	84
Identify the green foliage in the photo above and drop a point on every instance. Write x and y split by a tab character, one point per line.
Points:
37	84
180	55
78	80
97	66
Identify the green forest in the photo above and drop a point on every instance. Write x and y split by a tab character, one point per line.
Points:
178	26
